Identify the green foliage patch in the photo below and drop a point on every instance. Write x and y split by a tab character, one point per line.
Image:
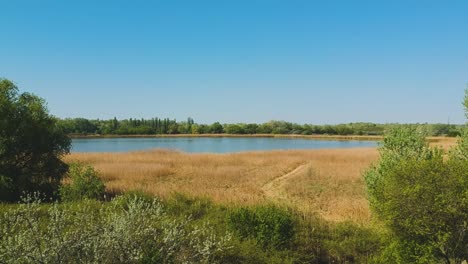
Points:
268	225
85	184
157	126
31	145
95	232
422	197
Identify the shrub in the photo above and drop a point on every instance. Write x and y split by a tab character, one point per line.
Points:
92	232
268	225
126	198
350	243
181	204
85	184
422	198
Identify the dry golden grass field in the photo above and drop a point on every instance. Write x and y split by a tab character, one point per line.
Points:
328	182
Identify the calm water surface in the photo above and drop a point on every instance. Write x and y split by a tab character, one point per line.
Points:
216	145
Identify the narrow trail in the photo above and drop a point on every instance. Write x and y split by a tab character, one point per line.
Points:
274	189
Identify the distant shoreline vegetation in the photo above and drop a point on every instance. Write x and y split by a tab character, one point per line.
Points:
224	135
81	127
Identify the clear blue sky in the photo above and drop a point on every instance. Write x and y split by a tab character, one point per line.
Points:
241	61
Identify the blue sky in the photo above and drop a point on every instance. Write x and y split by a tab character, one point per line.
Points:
241	61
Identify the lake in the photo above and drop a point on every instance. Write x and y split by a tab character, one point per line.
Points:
210	144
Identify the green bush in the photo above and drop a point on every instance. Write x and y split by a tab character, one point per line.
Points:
85	184
351	243
268	225
181	204
126	198
95	232
421	195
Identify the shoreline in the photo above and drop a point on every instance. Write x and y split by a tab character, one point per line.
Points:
311	137
317	137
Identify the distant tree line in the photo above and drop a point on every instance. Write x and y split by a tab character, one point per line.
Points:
156	126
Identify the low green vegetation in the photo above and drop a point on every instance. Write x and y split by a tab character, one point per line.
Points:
125	230
136	228
268	225
84	184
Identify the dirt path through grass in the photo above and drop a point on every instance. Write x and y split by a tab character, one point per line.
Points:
274	189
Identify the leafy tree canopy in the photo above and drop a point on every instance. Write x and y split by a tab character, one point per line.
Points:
31	144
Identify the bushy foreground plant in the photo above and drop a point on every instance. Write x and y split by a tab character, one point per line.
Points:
319	241
271	234
348	242
268	225
123	231
84	184
181	204
422	196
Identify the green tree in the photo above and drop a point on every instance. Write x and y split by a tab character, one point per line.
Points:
190	123
31	144
233	129
115	124
216	128
422	198
251	128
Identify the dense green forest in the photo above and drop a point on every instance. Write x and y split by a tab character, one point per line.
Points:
156	126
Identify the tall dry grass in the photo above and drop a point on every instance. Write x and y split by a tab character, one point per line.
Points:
444	142
332	187
332	184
